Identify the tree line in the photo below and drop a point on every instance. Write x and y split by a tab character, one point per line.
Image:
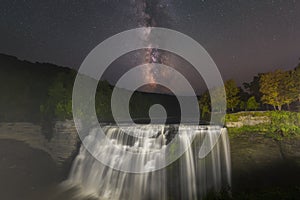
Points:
59	102
275	90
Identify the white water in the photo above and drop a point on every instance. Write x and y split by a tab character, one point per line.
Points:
189	177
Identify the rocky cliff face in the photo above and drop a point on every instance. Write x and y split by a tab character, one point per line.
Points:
249	121
64	142
61	147
256	159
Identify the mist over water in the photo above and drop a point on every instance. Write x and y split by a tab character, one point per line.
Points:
189	177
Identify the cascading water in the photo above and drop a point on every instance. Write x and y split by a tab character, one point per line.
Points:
189	177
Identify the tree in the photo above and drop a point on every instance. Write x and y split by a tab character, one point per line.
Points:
269	87
253	88
252	104
296	75
59	102
232	92
103	100
204	105
278	88
244	96
242	105
287	89
217	96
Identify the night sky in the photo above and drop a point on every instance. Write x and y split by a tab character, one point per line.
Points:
243	37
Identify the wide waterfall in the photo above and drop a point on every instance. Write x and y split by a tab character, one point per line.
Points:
189	177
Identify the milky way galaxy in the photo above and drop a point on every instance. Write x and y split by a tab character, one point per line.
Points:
244	38
148	13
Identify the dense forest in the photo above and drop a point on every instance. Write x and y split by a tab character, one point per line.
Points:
24	86
42	91
39	92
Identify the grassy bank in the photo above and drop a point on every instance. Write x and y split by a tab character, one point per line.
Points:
275	124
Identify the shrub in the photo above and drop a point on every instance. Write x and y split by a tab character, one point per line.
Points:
282	124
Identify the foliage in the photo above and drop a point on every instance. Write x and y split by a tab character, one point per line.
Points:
204	105
269	87
24	86
296	77
252	104
282	124
276	88
244	96
233	117
103	97
253	88
217	94
232	94
59	102
288	89
279	88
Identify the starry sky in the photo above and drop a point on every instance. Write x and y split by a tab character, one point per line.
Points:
243	37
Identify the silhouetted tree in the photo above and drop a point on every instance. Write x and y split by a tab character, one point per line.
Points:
253	88
244	96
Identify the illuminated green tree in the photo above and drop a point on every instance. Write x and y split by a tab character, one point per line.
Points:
270	87
296	75
232	96
252	104
59	103
288	87
204	105
279	88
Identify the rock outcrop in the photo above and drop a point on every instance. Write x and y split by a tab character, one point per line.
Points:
249	120
61	146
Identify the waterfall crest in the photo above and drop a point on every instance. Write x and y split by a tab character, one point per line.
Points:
189	177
